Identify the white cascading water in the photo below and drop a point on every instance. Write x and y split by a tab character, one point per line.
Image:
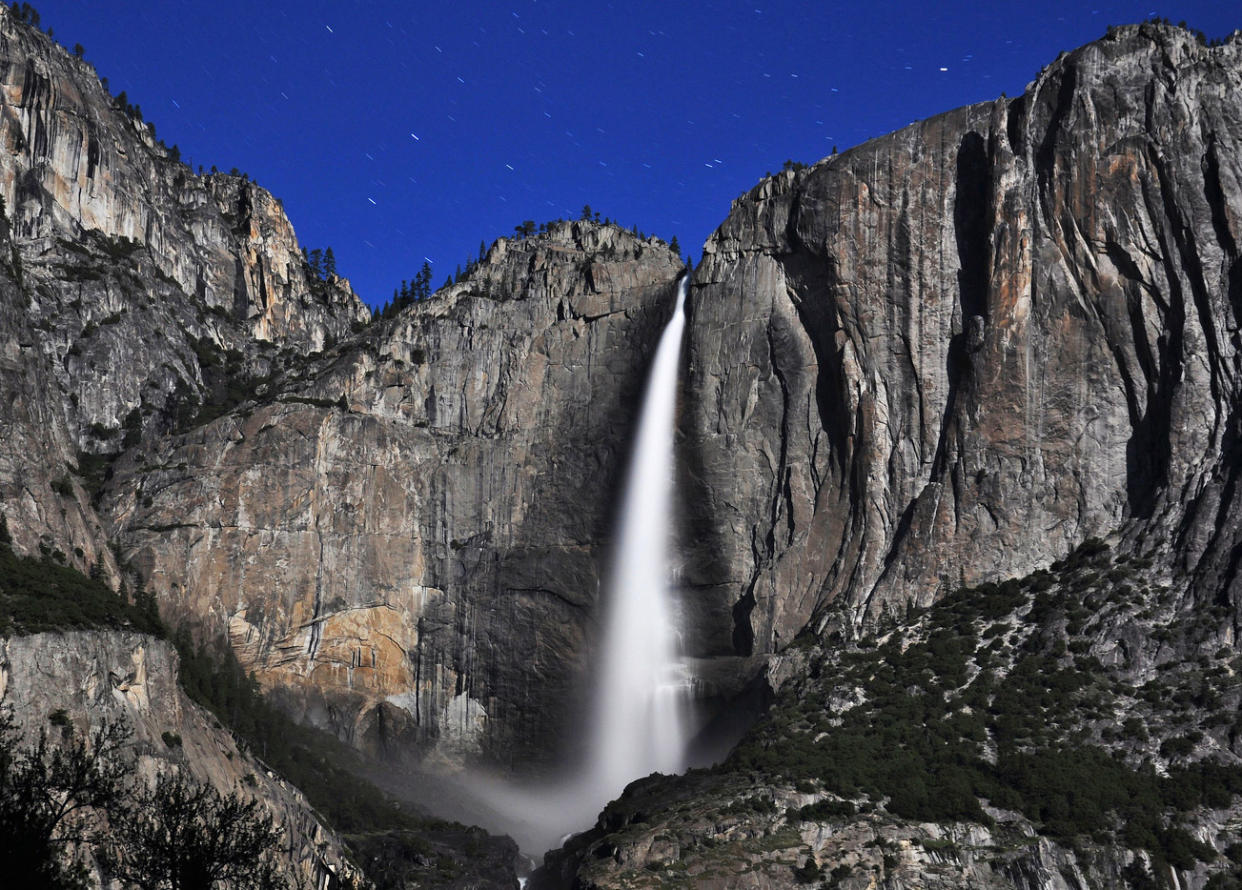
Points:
643	686
642	689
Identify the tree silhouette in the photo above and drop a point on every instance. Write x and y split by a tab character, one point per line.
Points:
25	13
185	836
422	282
45	791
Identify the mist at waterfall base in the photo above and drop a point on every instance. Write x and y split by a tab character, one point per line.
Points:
640	719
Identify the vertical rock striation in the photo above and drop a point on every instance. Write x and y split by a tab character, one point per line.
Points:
954	352
76	162
127	282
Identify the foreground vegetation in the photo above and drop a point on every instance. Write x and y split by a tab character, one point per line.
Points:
995	698
59	798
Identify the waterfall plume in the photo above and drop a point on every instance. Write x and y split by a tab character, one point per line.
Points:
638	709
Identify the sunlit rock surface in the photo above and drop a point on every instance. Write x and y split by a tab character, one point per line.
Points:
125	276
948	355
951	355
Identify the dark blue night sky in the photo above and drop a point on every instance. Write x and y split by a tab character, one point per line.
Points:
397	131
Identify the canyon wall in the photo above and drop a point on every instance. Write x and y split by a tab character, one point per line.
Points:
88	678
124	275
954	352
406	542
401	527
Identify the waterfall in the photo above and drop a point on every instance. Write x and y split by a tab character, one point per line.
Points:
642	689
643	684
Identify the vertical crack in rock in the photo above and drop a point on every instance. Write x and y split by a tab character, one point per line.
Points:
1070	367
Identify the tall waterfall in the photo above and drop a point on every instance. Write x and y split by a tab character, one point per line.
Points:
642	688
642	691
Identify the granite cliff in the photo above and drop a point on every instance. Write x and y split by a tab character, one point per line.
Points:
955	352
401	526
405	540
942	360
86	678
125	275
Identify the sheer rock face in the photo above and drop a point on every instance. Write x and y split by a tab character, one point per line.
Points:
93	677
122	271
407	542
956	351
73	162
403	536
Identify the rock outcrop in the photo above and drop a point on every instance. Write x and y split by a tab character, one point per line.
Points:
947	356
130	287
956	351
76	162
400	528
1074	728
950	356
86	678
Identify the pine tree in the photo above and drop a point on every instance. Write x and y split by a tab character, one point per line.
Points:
422	282
316	262
329	263
674	246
